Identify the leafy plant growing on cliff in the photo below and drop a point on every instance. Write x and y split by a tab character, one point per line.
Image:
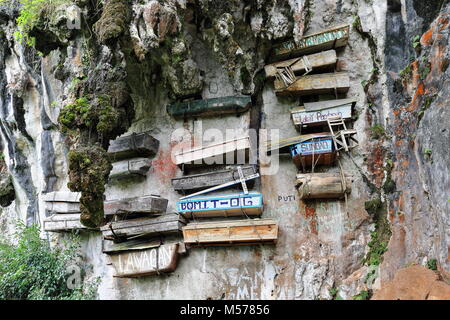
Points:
377	131
29	15
363	295
30	269
415	41
432	264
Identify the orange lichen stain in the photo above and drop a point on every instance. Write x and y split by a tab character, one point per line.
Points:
415	73
427	38
163	166
313	226
310	212
391	216
404	164
401	217
419	93
443	22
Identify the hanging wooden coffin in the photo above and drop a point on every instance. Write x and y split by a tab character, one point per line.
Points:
210	107
323	185
164	224
321	60
315	151
322	83
211	179
110	247
134	145
222	206
335	37
317	113
146	262
62	202
284	145
236	151
146	204
63	222
236	232
130	168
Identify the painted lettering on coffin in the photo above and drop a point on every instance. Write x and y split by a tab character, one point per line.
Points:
146	260
223	203
310	147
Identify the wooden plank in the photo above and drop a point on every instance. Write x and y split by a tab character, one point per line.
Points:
210	107
129	168
321	60
323	83
145	262
146	204
110	247
323	185
334	37
319	151
317	113
61	196
63	222
63	207
164	224
236	151
222	206
134	145
211	179
231	232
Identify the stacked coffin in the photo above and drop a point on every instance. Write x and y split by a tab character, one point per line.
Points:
309	71
213	168
134	223
130	155
63	210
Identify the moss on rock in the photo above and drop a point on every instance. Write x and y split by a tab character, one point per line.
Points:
89	168
113	21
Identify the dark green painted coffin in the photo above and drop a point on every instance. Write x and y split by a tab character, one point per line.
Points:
210	107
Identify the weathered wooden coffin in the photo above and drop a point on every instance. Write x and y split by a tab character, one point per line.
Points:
110	247
63	222
130	168
211	179
145	262
284	145
146	204
249	231
317	151
134	145
335	37
321	60
62	202
234	151
323	185
164	224
210	107
222	206
322	83
317	113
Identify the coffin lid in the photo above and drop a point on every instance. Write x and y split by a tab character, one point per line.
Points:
321	105
283	143
130	245
231	223
187	150
217	196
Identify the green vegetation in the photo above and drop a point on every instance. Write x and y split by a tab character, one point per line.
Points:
334	294
113	21
427	153
30	14
363	295
377	131
415	41
432	264
406	73
30	269
381	235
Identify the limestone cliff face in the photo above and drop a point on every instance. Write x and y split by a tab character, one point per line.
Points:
138	56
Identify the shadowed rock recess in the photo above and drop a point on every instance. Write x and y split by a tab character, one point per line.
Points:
79	78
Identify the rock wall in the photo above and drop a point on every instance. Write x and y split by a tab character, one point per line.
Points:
171	50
